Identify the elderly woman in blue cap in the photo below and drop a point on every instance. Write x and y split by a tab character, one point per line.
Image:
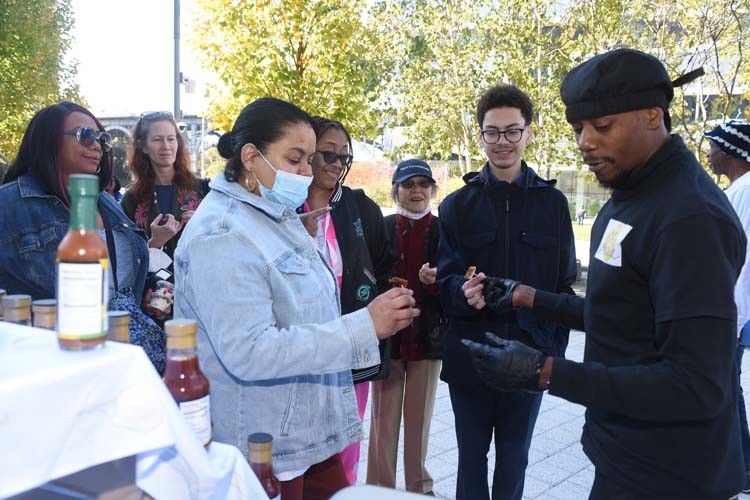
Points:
417	349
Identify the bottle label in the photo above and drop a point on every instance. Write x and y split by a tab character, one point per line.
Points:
198	414
82	300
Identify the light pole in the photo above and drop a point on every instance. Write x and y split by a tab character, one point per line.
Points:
177	78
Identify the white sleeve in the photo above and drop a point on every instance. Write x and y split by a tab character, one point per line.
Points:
740	200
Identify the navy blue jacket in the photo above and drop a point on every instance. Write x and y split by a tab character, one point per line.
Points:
519	230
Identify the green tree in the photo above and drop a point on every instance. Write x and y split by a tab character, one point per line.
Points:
684	35
439	48
34	36
318	54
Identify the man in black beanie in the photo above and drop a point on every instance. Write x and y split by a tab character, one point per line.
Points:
658	377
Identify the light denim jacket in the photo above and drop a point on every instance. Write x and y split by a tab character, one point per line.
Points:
271	339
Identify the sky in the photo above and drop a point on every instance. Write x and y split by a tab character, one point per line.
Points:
125	57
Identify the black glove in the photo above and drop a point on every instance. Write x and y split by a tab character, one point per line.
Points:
506	365
498	294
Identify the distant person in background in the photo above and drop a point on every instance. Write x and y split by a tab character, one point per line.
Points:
353	238
164	193
730	155
581	215
417	349
113	188
161	199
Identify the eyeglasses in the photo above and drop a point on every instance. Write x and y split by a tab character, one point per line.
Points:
512	135
424	184
151	115
86	136
330	157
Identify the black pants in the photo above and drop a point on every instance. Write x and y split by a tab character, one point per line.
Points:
511	416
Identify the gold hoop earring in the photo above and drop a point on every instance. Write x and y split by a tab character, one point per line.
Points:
250	185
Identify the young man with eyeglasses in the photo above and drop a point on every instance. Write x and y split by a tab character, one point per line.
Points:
506	221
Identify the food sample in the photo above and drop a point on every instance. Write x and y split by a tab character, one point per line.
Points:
398	282
470	272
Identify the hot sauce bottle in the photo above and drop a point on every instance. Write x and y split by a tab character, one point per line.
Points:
259	446
184	379
82	272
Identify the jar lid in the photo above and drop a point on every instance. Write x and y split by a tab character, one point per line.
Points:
16	301
44	306
181	327
260	439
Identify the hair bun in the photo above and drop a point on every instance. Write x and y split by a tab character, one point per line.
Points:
225	145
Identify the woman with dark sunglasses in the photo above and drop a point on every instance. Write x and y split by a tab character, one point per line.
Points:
349	230
164	193
61	140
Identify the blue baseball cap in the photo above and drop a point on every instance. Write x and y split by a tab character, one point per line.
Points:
412	168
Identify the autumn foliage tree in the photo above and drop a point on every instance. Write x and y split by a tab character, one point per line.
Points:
34	36
318	54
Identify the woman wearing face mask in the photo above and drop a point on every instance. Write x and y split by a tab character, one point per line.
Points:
418	348
353	238
271	339
61	140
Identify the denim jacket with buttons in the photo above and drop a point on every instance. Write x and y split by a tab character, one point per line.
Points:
32	224
271	339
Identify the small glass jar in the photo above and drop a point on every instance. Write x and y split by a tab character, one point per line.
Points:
119	326
3	293
43	312
17	309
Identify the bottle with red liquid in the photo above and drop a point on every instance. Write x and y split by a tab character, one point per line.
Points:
259	446
184	379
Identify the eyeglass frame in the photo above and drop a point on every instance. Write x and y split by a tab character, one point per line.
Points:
503	133
345	159
103	137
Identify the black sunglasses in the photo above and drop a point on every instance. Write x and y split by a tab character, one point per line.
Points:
86	136
150	115
330	157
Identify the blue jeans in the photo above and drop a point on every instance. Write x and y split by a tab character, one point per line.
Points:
744	433
511	416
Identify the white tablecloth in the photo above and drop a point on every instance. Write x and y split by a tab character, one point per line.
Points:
64	411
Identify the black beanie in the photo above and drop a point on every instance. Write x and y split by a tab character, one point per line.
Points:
618	81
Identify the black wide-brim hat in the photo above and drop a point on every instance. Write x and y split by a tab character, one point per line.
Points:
618	81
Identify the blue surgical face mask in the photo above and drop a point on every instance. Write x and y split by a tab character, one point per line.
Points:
288	189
